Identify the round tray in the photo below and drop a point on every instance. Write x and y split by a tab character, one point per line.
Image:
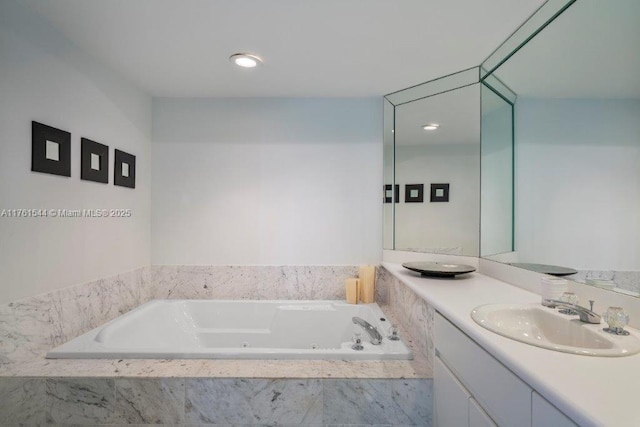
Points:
438	269
552	270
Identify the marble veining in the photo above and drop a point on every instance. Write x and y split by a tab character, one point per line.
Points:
80	401
251	282
253	401
215	401
404	402
22	401
27	328
414	314
32	326
149	401
383	281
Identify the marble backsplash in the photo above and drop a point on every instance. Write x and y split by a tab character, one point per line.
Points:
32	326
625	280
251	282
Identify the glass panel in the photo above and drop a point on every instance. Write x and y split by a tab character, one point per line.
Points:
388	195
577	141
496	218
543	16
447	157
433	87
500	89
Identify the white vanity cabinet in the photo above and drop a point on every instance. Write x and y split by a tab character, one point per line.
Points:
544	414
477	416
474	389
453	403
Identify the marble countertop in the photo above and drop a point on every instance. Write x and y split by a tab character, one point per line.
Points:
223	368
593	391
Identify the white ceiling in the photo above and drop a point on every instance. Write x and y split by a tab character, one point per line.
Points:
310	48
457	112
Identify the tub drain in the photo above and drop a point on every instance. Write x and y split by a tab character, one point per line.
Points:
314	346
245	344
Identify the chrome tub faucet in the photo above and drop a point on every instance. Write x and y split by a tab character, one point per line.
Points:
374	335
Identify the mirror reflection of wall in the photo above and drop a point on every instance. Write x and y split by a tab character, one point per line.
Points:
448	154
578	144
497	171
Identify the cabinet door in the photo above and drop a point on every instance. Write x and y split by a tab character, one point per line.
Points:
477	416
451	399
544	414
501	393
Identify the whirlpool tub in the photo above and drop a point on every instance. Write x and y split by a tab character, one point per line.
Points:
222	329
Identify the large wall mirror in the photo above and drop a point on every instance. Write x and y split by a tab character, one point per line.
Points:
432	166
577	144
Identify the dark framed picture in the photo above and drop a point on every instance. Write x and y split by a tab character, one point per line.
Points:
94	161
124	169
50	150
414	193
389	196
439	192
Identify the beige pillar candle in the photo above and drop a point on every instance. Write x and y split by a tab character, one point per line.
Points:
367	284
352	287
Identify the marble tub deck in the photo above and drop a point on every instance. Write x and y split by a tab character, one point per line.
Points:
40	367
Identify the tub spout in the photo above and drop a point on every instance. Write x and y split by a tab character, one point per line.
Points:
374	335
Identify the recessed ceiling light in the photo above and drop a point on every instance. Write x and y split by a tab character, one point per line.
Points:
431	126
246	60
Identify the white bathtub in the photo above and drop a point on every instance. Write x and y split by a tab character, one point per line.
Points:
219	329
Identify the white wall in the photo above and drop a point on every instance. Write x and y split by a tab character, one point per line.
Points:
496	216
578	183
267	181
45	78
451	227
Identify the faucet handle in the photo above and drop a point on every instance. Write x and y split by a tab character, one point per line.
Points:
393	334
591	302
617	319
571	298
357	342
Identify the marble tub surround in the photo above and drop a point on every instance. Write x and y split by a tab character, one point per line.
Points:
32	326
413	314
251	282
37	324
419	367
35	391
215	401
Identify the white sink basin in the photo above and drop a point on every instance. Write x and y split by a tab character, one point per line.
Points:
544	327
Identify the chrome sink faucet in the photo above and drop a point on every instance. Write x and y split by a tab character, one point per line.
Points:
371	330
586	315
